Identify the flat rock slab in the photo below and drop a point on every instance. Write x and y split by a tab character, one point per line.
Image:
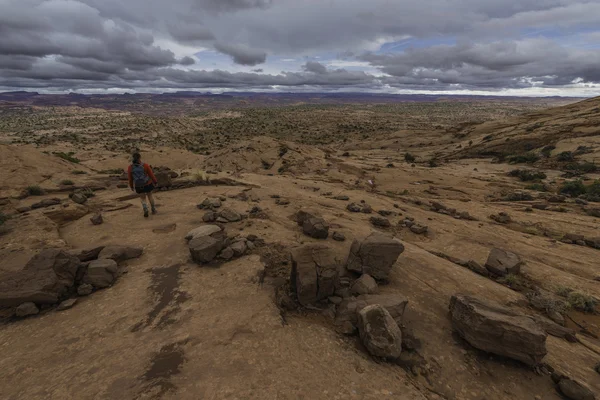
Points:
498	330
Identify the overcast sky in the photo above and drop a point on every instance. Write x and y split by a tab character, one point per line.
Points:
517	47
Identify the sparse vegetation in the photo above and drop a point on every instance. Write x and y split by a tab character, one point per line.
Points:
565	156
527	158
3	218
34	190
67	182
511	280
538	187
433	163
409	158
582	168
573	188
582	301
547	150
78	172
114	171
67	156
527	175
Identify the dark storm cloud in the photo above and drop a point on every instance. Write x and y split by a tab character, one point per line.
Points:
87	44
242	54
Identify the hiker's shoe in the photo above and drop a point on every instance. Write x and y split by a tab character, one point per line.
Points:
145	213
153	210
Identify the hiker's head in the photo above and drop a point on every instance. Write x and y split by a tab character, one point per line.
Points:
137	157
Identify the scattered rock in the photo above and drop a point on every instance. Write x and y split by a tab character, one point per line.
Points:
342	198
518	196
338	236
239	248
204	249
363	208
379	332
23	209
79	198
594	212
46	203
26	309
230	215
201	231
498	330
335	300
346	316
419	229
593	242
282	202
101	273
120	253
364	285
85	289
209	216
45	279
375	255
210	203
574	390
63	215
380	222
385	213
316	227
97	219
314	273
65	305
227	253
88	254
163	180
477	268
501	262
501	218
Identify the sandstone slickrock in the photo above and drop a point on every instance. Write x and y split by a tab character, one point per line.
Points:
364	285
375	255
45	279
204	249
315	272
502	262
346	316
498	330
63	215
201	231
101	273
120	253
379	332
26	309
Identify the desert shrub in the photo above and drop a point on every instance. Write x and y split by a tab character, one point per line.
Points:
433	163
593	189
583	168
511	280
527	175
113	171
526	158
583	150
488	138
539	187
67	156
563	291
67	182
573	188
78	172
409	158
581	301
547	150
34	190
3	218
565	156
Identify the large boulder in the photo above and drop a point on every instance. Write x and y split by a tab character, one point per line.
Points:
101	273
230	215
364	285
379	332
346	319
502	262
204	249
375	255
26	309
201	231
574	390
498	330
45	279
315	272
120	253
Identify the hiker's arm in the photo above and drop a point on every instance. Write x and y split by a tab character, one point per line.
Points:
130	176
150	174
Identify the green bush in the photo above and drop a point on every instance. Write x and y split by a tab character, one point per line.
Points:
433	163
582	168
581	301
547	151
565	156
593	189
67	156
409	158
67	182
527	158
527	175
573	188
539	187
34	190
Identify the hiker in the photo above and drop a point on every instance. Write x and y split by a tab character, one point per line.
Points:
142	180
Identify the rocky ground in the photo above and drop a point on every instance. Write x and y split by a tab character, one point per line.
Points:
413	266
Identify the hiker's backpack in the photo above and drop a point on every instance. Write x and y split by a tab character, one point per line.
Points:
140	178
